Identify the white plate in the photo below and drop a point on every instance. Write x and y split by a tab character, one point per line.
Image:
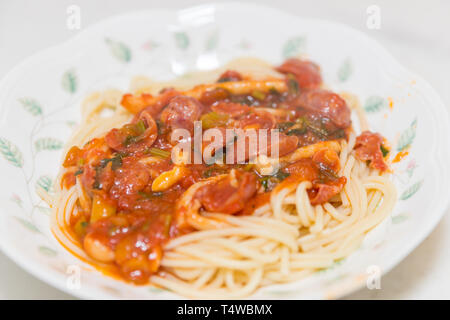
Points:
40	100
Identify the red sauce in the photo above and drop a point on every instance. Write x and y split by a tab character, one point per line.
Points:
368	148
225	197
230	75
307	73
255	202
113	170
321	170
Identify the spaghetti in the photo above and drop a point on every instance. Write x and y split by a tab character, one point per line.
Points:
221	230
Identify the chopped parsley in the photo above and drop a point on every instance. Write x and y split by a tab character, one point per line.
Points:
293	87
283	126
116	161
296	132
150	195
269	182
384	151
225	79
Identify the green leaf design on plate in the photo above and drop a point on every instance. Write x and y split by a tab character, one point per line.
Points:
181	40
16	199
374	104
409	192
407	137
412	165
44	210
150	45
31	105
212	41
244	44
27	224
11	153
334	265
345	70
48	144
119	50
155	290
45	182
294	46
47	251
69	81
399	218
71	123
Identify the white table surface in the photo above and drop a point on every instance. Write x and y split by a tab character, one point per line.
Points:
416	33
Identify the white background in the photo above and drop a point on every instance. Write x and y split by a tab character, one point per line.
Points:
415	32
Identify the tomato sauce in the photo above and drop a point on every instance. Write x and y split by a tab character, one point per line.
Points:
369	147
132	221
